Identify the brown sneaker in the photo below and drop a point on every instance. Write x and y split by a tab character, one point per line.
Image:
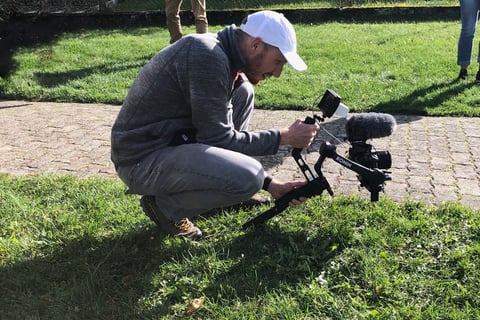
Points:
181	228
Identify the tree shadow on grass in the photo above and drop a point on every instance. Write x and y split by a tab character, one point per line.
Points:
54	79
30	31
421	99
273	256
130	276
264	260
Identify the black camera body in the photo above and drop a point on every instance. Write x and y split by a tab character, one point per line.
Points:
361	152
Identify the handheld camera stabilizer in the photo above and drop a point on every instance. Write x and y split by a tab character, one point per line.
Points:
370	166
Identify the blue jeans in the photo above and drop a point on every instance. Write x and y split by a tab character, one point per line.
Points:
190	179
469	15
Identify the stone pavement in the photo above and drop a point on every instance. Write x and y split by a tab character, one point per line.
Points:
434	159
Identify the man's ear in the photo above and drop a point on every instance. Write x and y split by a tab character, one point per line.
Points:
256	44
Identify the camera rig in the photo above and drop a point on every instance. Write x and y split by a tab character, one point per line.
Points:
370	166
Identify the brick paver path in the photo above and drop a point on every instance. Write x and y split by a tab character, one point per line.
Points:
435	159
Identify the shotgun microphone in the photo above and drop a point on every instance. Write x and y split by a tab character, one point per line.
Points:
365	126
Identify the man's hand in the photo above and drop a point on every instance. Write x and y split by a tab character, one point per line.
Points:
278	189
299	134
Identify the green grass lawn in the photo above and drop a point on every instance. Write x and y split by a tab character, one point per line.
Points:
400	68
82	249
75	248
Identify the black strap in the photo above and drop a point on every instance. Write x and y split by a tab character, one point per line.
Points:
266	182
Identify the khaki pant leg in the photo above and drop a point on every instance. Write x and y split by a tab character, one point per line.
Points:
172	12
199	10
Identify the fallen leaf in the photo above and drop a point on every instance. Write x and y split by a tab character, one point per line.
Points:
194	305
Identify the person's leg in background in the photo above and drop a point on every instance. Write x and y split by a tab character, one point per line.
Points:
477	79
172	13
199	10
469	15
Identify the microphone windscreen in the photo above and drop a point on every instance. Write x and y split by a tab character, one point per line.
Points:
365	126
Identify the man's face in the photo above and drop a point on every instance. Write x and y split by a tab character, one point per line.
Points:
265	61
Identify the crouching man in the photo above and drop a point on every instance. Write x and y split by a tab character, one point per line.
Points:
181	138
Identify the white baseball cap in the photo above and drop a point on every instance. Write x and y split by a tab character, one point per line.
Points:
274	29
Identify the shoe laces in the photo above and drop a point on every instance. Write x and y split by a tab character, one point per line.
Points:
183	224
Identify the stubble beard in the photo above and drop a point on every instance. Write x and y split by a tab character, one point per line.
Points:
251	67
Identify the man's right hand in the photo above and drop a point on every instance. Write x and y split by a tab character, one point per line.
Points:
299	134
